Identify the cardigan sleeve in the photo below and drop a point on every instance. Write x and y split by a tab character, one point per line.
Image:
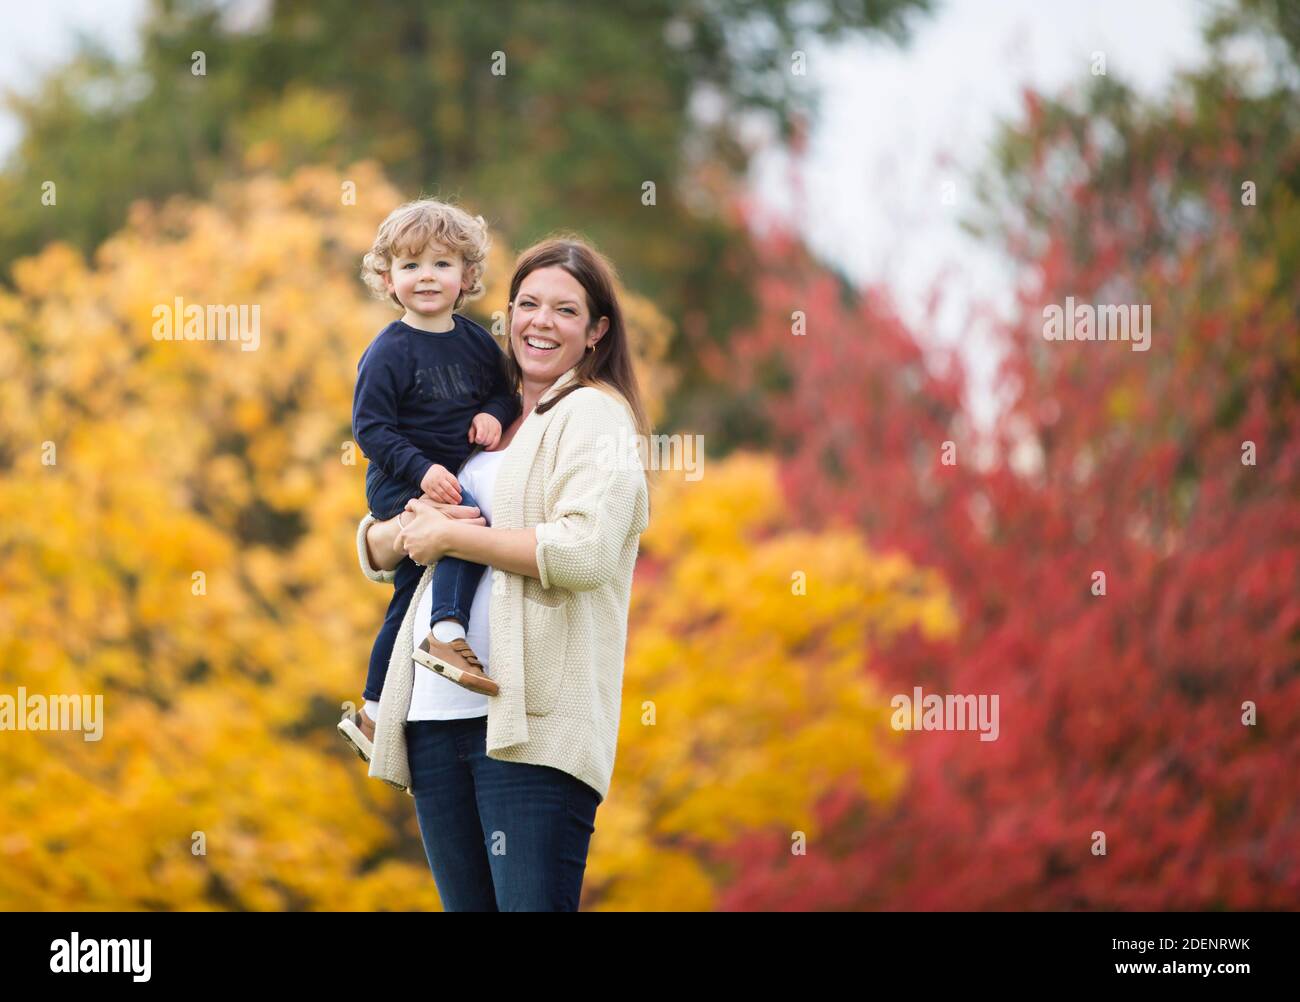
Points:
596	496
369	570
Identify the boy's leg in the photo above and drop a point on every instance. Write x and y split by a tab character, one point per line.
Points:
455	581
408	575
386	498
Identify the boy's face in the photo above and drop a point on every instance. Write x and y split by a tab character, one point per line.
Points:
429	284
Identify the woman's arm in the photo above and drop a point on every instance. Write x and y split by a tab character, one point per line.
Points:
513	550
383	540
381	544
593	500
428	536
365	557
596	496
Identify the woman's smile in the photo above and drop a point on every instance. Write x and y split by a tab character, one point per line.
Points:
550	323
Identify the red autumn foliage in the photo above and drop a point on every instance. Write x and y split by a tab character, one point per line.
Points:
1119	713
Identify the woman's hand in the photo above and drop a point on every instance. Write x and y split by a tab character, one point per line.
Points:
383	539
426	533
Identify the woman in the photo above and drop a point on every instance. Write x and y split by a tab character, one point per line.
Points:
506	787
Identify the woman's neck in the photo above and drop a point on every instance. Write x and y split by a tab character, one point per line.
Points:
533	393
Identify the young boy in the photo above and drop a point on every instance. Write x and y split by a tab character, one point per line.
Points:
429	387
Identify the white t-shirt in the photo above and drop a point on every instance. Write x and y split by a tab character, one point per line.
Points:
432	696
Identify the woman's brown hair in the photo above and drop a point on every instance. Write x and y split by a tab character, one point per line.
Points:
609	365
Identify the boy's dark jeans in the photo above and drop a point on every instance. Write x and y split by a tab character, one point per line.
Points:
454	583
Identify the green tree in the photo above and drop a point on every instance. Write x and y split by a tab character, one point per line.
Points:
543	115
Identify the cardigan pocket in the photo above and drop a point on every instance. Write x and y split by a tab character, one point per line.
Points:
546	635
553	596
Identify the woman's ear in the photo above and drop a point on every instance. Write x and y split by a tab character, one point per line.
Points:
602	325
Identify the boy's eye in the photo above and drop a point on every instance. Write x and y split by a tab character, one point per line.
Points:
409	264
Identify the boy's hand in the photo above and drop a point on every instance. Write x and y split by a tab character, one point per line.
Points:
485	430
439	484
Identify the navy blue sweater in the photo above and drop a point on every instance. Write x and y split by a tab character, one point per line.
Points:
417	393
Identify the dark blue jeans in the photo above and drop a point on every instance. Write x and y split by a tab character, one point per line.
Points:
454	583
499	836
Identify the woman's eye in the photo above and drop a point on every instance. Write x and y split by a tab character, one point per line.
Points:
569	310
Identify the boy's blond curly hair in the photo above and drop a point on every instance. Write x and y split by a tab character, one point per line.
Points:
411	227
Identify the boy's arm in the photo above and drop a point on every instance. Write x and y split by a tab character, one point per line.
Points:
374	418
502	402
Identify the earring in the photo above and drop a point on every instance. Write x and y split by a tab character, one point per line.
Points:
591	347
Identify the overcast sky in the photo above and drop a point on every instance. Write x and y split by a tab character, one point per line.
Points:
895	124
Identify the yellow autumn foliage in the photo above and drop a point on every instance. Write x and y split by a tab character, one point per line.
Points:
746	695
177	528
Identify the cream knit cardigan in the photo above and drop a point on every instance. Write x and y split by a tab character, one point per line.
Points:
557	645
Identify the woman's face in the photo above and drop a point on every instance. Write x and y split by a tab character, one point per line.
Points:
550	324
